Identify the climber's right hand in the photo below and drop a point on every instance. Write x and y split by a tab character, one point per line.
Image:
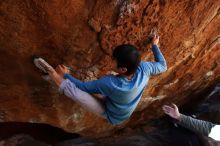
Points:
155	40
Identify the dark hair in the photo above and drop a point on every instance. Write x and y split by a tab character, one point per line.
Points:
127	56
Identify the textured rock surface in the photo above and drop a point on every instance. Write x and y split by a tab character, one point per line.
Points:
21	140
82	34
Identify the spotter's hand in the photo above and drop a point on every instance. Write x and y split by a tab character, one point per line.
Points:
172	111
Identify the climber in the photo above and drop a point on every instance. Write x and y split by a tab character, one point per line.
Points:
198	126
122	92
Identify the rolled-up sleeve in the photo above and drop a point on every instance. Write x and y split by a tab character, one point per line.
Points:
63	85
69	89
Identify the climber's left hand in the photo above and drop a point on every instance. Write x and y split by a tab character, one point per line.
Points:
62	69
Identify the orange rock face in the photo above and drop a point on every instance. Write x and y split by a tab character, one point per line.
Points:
82	34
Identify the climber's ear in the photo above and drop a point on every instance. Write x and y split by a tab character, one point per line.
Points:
122	70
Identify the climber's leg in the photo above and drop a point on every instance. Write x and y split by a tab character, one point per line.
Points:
47	68
86	100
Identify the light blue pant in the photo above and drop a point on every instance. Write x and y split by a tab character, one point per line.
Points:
89	102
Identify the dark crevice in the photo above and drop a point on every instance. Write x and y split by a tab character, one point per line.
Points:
41	132
117	11
216	15
144	13
99	40
208	46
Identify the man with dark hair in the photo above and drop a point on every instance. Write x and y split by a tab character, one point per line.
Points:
126	57
122	92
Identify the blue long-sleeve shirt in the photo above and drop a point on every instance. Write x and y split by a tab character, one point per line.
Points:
123	95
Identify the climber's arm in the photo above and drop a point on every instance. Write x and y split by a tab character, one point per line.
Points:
94	87
160	65
99	86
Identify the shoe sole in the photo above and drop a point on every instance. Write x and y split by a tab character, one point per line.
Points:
42	65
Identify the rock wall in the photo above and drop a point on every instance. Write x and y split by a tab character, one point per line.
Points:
82	34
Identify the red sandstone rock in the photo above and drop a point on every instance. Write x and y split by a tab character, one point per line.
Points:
82	34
